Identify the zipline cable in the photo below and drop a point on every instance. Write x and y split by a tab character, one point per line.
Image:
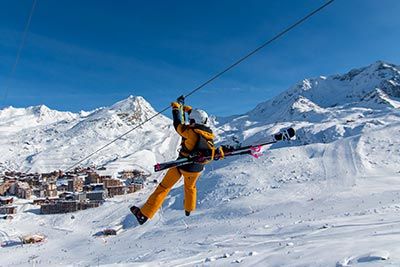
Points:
21	45
216	76
116	139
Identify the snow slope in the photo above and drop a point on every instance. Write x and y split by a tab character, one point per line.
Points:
52	140
324	109
16	119
329	198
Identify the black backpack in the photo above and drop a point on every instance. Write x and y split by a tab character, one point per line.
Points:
204	147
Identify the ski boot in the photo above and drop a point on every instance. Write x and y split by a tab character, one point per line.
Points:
138	214
187	213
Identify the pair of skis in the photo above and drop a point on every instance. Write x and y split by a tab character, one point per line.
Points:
253	150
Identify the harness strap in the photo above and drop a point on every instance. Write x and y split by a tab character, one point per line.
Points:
221	153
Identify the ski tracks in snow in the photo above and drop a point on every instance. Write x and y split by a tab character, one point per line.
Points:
371	257
340	163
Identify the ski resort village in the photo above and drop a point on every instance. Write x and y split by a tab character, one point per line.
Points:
200	133
57	192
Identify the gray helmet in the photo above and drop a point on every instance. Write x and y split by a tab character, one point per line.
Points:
199	116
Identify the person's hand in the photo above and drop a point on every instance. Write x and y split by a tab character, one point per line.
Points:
181	100
227	148
187	109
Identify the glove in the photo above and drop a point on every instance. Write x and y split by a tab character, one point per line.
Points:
227	148
187	109
181	100
175	105
220	153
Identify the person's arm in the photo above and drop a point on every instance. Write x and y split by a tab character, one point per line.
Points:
177	116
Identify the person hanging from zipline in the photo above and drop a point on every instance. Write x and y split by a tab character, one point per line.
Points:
197	139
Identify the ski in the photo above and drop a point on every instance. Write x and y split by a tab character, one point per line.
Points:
253	150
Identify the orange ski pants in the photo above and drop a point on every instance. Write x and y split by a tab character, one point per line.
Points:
172	176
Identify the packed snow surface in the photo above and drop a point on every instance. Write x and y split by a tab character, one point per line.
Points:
329	198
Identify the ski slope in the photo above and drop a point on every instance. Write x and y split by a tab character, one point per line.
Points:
329	198
289	208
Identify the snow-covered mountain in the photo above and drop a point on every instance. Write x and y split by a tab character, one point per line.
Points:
329	198
325	109
358	87
322	109
40	139
16	119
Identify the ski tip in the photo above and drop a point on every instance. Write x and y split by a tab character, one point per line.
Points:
157	167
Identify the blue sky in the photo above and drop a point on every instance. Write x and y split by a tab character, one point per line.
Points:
80	55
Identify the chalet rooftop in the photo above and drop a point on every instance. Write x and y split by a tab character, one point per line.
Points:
105	173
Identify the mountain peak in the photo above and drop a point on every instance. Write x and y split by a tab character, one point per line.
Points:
40	110
380	64
376	71
132	103
356	88
37	111
131	110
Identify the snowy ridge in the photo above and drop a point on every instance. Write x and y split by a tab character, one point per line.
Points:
339	90
51	140
325	109
329	198
16	119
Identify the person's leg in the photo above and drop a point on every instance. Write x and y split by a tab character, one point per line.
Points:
190	179
156	199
